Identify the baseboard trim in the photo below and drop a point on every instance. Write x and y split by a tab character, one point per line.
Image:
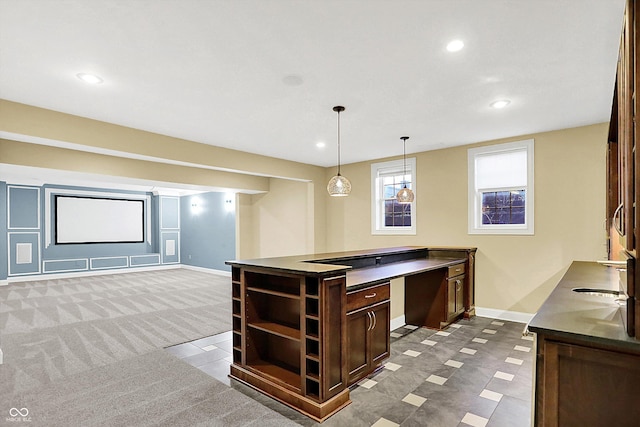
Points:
70	274
512	316
206	270
47	276
397	322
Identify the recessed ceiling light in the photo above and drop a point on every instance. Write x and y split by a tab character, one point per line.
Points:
320	144
500	104
89	78
455	45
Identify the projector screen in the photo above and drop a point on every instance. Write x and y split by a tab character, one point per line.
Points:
98	220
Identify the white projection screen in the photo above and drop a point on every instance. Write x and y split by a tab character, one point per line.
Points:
98	220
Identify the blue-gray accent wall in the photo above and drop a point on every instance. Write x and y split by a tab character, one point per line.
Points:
4	255
207	230
175	232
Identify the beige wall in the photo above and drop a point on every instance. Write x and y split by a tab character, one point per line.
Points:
288	217
514	273
295	215
277	223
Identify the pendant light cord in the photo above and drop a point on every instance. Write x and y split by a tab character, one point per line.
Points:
338	142
404	159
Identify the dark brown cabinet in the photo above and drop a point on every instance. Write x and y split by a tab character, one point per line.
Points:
579	385
623	180
367	331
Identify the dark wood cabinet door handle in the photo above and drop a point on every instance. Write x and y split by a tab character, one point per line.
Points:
370	296
370	321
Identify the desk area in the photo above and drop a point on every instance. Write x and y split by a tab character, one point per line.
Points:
305	328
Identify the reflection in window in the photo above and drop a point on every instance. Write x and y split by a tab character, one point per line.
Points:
396	214
503	207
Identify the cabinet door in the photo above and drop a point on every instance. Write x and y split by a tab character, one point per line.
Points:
358	323
582	386
459	295
380	332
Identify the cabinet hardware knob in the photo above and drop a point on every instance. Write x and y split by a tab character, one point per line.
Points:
370	296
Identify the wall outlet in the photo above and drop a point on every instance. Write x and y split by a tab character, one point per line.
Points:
189	256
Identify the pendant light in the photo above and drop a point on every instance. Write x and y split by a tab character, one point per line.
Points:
339	186
405	195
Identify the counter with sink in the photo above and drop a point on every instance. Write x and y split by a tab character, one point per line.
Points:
587	369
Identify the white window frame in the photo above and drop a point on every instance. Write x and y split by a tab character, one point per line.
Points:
475	194
377	200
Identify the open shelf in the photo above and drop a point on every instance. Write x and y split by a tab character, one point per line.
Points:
275	373
276	285
273	292
277	329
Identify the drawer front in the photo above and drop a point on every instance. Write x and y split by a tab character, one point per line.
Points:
367	296
455	270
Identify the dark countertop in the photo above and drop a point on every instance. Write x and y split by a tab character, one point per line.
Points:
585	317
329	263
366	276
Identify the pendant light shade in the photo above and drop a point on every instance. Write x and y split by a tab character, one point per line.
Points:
405	195
339	186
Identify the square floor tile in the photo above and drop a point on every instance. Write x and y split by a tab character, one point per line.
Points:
411	327
489	331
470	351
383	422
455	325
367	384
395	335
497	323
491	395
479	340
412	353
429	342
392	366
453	363
504	376
443	333
414	399
522	348
209	347
474	420
527	337
514	361
435	379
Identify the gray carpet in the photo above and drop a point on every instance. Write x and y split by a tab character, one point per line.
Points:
88	351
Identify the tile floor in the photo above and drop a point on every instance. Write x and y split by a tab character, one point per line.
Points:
476	372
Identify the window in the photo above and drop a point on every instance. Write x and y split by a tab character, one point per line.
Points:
501	188
387	215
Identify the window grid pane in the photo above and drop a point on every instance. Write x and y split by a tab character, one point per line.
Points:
396	214
504	207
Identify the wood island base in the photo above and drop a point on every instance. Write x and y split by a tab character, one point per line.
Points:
319	411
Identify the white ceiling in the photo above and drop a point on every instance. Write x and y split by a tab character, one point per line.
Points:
218	72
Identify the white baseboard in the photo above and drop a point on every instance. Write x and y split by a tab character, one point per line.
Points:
397	322
513	316
4	282
206	270
492	313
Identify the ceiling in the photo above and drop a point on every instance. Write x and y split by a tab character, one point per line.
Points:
263	76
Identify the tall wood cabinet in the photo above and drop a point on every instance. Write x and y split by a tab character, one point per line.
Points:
623	182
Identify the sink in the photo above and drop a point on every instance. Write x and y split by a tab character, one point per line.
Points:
597	292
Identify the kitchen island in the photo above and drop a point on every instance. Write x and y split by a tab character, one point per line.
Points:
307	327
